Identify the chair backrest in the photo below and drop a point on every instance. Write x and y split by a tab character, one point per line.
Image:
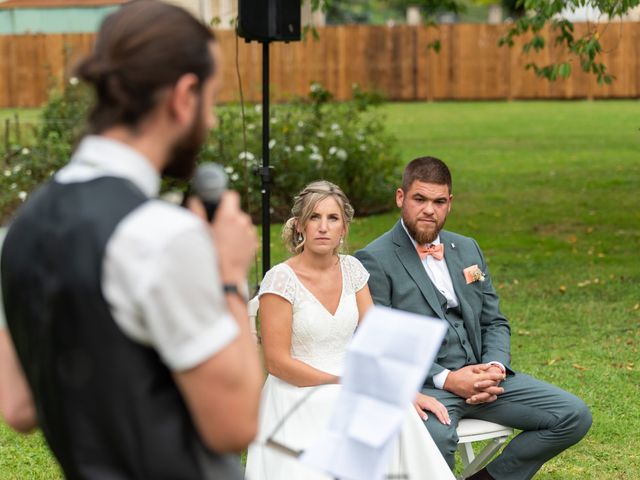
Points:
252	308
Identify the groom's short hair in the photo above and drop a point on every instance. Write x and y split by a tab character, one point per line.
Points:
427	170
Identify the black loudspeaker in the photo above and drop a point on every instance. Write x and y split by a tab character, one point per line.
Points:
269	20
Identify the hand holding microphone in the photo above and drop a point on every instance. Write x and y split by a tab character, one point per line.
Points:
233	232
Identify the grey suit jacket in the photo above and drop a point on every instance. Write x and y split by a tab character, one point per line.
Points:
398	280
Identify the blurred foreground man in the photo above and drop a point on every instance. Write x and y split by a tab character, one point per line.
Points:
124	310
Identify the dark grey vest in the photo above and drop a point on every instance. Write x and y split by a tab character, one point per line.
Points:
456	350
108	406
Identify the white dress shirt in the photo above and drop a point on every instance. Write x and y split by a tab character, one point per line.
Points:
438	272
160	270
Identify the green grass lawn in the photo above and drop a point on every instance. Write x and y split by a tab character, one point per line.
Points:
551	192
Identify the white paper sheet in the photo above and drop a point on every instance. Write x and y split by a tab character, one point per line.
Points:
385	366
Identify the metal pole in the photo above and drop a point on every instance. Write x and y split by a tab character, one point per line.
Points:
265	173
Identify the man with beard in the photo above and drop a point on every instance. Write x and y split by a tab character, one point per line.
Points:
421	268
124	310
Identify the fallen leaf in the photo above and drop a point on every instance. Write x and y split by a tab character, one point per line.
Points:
577	366
636	306
551	362
562	289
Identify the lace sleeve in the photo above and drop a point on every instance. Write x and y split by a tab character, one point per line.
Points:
356	273
279	281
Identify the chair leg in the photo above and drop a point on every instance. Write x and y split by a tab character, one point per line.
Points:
466	453
477	463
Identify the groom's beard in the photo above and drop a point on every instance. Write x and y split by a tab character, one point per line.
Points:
423	233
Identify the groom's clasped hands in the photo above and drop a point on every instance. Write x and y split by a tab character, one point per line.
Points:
476	383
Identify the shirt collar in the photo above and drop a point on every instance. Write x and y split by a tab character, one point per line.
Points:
435	242
108	157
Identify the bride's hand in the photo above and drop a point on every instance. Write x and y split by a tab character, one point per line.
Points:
424	403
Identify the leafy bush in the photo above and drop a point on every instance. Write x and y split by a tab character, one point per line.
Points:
310	139
344	143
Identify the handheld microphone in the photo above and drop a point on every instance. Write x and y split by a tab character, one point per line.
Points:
208	184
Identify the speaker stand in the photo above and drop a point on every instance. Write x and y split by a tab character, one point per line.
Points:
265	171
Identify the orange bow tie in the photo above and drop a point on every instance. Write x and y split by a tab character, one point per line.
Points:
436	251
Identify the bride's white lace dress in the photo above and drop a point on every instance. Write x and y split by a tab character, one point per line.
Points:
320	339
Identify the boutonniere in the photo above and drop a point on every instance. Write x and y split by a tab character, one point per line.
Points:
473	274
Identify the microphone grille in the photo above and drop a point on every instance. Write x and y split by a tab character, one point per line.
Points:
209	182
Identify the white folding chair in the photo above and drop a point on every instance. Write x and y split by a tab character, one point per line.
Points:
471	430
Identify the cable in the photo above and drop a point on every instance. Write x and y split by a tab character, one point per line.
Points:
247	192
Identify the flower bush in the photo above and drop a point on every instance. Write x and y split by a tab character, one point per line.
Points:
313	138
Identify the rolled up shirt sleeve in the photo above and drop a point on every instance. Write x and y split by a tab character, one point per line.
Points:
166	293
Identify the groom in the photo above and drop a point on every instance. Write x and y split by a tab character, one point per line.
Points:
420	268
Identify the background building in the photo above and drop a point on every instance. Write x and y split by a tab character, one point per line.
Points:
19	17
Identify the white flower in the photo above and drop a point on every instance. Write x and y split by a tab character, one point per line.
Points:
272	143
320	134
251	126
299	148
333	150
74	81
247	155
228	170
17	168
362	147
300	123
258	108
22	196
7	173
342	154
274	120
313	148
335	126
13	186
235	177
316	157
25	151
287	149
315	87
359	137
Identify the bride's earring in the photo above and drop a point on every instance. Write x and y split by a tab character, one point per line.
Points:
341	240
299	238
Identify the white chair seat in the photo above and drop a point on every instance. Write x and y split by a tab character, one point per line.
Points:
472	430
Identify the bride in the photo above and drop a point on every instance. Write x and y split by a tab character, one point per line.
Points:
310	306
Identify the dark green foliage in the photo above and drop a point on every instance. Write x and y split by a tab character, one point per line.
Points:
311	138
345	143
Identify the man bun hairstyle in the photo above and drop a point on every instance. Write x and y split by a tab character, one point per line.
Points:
303	205
427	170
142	48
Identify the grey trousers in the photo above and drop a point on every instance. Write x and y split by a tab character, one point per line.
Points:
551	419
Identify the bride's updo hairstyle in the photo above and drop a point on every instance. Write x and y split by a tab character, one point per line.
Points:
303	205
141	49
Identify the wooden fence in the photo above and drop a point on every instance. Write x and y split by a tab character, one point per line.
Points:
392	60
